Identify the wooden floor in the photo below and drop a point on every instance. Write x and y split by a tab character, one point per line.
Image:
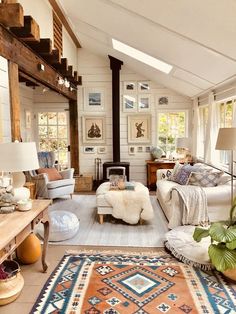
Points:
35	279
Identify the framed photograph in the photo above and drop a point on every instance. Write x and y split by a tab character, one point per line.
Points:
93	129
130	87
129	103
144	102
131	150
140	149
163	100
144	87
139	128
102	150
89	149
94	99
27	119
148	149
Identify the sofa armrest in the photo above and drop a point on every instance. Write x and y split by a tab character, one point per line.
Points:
68	173
162	174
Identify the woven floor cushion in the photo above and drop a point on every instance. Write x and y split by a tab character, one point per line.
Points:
63	225
180	242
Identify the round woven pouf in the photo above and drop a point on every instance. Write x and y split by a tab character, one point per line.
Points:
63	226
180	242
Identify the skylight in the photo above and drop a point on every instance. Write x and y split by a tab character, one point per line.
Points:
142	56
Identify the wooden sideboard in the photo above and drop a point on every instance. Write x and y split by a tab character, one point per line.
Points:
152	167
16	226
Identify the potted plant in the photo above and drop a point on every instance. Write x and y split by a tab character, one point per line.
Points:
222	250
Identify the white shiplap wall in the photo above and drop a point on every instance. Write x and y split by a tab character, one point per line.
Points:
5	118
26	104
96	73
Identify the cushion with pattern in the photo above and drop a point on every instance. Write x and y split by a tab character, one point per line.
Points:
184	173
175	171
205	179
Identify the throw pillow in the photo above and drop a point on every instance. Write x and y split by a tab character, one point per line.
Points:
205	179
52	173
184	173
175	171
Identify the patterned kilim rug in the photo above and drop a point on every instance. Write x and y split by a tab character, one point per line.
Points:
112	283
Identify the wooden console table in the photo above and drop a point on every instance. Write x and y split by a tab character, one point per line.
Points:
152	167
16	226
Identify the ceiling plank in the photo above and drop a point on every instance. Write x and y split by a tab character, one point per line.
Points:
11	15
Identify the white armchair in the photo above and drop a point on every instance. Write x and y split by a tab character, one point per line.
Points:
46	188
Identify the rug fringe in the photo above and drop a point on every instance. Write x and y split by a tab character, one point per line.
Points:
115	251
187	261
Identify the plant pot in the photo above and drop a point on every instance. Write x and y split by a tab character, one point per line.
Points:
230	273
11	287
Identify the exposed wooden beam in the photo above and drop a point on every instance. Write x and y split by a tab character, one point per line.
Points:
61	16
14	50
11	15
53	58
42	47
74	135
29	32
9	1
14	100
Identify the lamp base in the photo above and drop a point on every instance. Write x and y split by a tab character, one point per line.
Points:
18	179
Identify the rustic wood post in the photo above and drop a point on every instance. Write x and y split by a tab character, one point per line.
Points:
74	135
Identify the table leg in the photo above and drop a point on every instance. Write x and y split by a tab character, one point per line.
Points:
45	244
101	219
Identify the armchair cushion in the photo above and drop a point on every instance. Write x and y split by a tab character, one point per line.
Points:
52	173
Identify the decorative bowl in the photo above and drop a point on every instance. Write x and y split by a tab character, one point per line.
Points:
24	205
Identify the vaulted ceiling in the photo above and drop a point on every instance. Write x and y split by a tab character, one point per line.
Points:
197	37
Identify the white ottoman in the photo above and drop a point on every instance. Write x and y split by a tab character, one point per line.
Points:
63	225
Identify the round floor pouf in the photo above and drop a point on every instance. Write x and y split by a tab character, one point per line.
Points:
180	242
63	225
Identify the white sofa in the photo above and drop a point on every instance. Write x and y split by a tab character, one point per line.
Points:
218	198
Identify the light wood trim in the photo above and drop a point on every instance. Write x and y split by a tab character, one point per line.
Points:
61	16
14	100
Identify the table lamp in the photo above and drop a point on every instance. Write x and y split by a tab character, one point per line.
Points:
226	140
15	158
182	145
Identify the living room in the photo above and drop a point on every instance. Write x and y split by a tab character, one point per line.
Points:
142	77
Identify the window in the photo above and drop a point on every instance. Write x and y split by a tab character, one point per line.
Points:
53	135
203	116
170	125
225	111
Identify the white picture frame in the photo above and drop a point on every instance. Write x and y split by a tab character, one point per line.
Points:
144	87
93	129
130	87
129	103
89	149
148	149
140	149
131	150
27	119
162	100
102	150
94	99
139	129
144	103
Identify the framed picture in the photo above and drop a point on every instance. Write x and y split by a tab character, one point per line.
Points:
130	87
93	129
163	100
131	150
144	87
129	103
140	149
94	99
89	149
148	149
102	150
144	102
27	119
139	128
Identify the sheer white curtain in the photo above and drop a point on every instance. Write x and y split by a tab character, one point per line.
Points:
211	155
196	128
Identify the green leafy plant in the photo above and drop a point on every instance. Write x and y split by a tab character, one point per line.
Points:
222	250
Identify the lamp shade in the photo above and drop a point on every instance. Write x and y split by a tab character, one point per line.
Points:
226	139
182	142
16	157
